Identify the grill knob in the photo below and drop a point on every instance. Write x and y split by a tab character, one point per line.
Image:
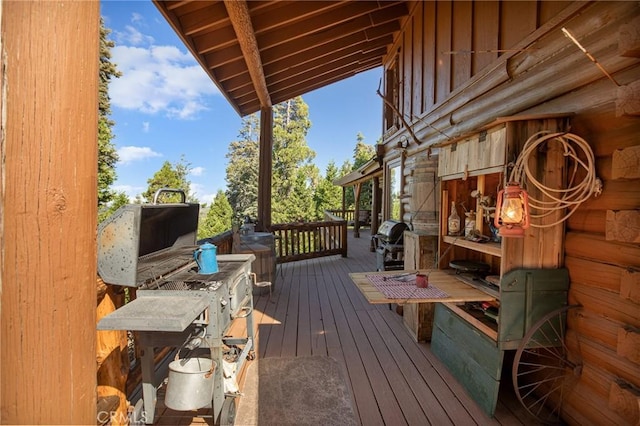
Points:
223	301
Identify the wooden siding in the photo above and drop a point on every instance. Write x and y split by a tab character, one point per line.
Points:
551	75
48	195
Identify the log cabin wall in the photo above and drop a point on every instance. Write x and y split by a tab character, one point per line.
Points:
524	64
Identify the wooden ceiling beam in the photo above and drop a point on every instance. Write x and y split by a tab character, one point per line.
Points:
290	12
352	17
214	14
241	21
251	106
217	39
295	77
323	81
232	70
173	5
219	58
320	66
334	47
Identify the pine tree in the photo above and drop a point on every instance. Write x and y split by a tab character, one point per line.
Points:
242	170
327	195
172	176
362	154
107	155
218	219
294	175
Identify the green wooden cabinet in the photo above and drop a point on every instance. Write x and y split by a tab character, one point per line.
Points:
526	295
475	358
472	169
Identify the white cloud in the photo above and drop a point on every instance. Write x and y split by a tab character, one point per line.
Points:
159	79
200	192
129	154
131	36
136	17
197	171
207	198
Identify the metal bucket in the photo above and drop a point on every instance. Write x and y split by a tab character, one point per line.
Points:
190	384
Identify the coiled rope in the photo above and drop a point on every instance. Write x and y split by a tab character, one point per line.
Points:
560	199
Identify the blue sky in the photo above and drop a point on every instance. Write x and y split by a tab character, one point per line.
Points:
166	107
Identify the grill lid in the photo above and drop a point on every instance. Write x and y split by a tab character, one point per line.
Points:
143	241
391	231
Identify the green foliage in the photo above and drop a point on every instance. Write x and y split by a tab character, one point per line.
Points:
327	195
294	175
172	176
107	156
362	153
242	170
218	219
118	200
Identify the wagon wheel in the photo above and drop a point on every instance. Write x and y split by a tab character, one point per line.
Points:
546	366
228	412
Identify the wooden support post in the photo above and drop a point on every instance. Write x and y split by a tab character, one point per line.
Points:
48	210
265	171
376	194
357	190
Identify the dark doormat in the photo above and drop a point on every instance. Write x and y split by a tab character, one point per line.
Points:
295	391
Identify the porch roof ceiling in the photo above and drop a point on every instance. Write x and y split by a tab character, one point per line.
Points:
261	53
364	173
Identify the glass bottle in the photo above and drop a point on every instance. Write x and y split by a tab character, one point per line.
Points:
454	221
469	223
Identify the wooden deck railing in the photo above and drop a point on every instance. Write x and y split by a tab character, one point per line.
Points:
223	242
348	215
341	214
306	240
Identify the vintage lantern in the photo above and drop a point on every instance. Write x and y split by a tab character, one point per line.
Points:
512	211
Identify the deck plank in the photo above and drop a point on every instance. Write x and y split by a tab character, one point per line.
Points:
315	309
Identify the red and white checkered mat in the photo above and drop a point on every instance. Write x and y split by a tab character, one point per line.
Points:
396	289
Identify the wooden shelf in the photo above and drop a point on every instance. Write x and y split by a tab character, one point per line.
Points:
493	249
491	330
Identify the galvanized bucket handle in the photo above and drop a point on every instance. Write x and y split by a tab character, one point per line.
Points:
207	374
169	190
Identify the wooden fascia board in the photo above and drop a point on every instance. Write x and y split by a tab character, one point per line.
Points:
241	21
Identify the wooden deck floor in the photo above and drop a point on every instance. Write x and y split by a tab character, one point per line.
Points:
315	309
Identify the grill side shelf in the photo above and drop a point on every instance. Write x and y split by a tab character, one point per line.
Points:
157	310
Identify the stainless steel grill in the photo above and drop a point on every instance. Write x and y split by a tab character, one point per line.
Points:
389	245
150	247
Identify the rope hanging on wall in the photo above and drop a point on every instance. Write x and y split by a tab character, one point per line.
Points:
576	193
